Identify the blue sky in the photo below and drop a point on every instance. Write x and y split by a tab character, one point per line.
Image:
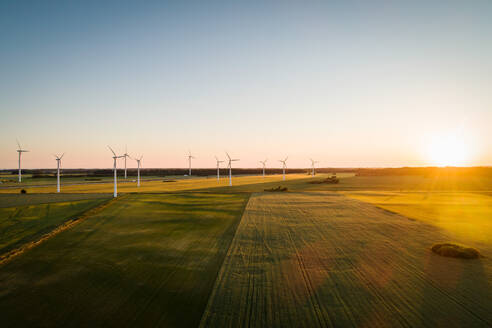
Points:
350	83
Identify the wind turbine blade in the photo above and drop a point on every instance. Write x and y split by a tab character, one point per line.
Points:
18	144
141	158
228	156
62	155
285	160
112	151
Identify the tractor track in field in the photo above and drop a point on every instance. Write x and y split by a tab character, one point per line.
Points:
10	255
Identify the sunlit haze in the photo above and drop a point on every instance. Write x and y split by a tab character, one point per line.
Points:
370	84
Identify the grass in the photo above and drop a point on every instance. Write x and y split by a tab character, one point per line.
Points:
356	253
27	180
325	260
466	216
146	260
11	200
295	182
240	184
23	224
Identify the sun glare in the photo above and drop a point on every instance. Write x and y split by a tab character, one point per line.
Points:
448	150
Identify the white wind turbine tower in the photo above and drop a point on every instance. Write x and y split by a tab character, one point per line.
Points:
115	194
138	169
189	161
58	165
218	167
313	171
284	166
125	155
230	167
20	151
264	164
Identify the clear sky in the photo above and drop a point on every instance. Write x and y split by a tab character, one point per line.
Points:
349	83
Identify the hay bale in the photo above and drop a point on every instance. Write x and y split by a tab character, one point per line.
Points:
455	250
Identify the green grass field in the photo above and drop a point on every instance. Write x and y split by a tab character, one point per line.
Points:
146	260
27	180
22	224
198	252
11	199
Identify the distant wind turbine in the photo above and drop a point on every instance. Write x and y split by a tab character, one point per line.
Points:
125	155
264	164
20	151
115	157
230	167
58	165
138	169
189	161
313	170
284	166
218	167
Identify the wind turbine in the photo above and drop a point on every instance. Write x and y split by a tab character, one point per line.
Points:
284	166
58	165
264	164
20	151
313	172
230	168
125	155
115	157
189	161
218	167
138	169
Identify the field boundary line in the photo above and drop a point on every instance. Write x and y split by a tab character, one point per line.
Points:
221	272
7	257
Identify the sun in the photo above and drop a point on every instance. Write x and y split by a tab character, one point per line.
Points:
448	150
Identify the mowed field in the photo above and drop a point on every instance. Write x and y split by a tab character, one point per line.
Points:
324	260
198	252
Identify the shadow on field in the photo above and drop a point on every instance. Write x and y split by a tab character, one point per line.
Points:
451	276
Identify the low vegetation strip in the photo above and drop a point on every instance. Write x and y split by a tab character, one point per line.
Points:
35	239
324	260
17	199
146	260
